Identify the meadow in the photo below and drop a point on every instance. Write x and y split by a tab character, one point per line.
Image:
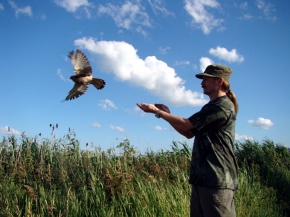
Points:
54	177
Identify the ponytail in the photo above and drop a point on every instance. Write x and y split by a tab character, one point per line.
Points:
231	95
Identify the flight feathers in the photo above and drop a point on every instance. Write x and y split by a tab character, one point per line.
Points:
83	77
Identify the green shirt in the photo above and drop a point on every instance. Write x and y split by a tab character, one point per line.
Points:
213	162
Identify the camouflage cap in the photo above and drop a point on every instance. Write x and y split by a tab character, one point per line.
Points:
217	71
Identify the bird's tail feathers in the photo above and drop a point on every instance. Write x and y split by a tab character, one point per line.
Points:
98	83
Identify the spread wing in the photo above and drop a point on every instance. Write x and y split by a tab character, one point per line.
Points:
77	90
80	63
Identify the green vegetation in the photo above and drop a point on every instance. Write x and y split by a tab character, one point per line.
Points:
54	177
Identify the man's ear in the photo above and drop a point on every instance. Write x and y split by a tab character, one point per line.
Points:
219	81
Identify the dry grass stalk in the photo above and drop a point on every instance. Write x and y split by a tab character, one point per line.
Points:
67	201
47	176
30	192
49	208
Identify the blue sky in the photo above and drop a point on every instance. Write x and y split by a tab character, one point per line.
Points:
146	51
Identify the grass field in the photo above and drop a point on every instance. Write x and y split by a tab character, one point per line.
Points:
54	177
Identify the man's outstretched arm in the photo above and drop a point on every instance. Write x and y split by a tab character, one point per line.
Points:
181	125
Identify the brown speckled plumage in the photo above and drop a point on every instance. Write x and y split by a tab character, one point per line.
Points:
83	76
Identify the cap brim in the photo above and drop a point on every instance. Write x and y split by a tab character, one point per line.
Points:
201	75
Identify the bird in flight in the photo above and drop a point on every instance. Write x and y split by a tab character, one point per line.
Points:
83	76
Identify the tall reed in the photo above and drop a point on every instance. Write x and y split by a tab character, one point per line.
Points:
55	177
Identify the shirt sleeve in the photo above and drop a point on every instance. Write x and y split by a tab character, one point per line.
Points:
210	116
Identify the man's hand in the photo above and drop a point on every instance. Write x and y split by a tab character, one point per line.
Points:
162	107
149	108
181	125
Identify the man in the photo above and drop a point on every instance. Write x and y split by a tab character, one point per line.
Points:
213	170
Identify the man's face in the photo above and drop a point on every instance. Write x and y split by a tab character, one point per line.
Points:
209	85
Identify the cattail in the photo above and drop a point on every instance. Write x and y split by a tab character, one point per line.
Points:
108	179
47	176
38	174
21	173
30	192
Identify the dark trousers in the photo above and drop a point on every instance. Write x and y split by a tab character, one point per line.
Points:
210	202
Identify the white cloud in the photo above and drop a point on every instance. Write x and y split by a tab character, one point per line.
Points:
159	128
1	7
120	129
141	31
107	104
121	59
267	9
204	62
164	50
243	137
247	17
135	110
158	6
8	130
25	10
181	63
60	75
43	17
203	19
72	5
96	125
261	123
224	54
127	15
244	5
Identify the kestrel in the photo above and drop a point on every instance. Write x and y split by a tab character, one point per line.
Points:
83	76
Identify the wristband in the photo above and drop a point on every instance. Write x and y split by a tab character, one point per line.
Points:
157	114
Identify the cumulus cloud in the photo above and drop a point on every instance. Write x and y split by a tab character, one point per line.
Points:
127	15
224	54
261	123
121	59
96	125
8	130
200	16
25	10
243	137
107	104
120	129
72	5
204	62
